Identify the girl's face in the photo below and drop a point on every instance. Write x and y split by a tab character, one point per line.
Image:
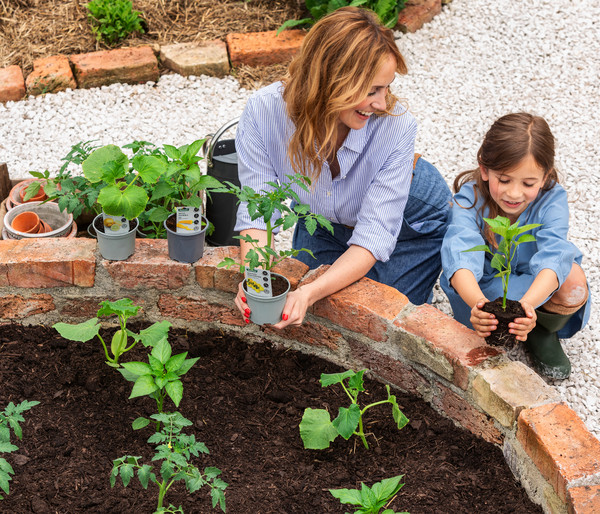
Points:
515	189
356	117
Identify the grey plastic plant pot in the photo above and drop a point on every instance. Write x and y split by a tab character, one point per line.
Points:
266	310
114	247
186	247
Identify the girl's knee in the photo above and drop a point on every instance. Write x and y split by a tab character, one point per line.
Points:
574	289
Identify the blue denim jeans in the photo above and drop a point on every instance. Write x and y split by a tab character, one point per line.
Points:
415	264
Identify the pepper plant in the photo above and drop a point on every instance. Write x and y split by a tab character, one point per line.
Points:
123	309
175	450
264	204
159	378
371	499
507	247
10	418
318	431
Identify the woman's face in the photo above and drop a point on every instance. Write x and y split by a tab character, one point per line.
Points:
356	117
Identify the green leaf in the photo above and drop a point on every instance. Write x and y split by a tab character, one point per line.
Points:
6	467
126	472
526	238
351	496
175	362
356	381
162	351
139	423
172	152
93	166
150	168
186	365
123	307
328	379
347	420
316	429
311	225
479	248
399	417
4	479
498	262
81	332
137	368
387	488
143	386
145	475
175	391
155	333
8	448
129	202
294	23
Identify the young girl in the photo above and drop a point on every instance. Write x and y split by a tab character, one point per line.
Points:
516	178
334	119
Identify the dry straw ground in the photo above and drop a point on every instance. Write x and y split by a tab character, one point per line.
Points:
31	29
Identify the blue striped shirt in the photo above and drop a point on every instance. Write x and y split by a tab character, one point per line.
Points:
370	192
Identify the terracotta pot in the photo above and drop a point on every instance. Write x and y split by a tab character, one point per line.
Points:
15	197
38	197
27	222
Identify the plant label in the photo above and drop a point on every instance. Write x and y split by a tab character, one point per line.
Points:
189	219
116	225
260	281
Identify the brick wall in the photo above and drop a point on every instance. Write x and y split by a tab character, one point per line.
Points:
367	325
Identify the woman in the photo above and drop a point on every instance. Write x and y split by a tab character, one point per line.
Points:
334	120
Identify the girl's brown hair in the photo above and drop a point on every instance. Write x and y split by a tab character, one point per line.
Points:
510	139
334	70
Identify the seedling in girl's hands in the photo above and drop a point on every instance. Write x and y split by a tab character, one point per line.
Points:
318	431
507	247
10	417
123	309
159	378
174	449
371	499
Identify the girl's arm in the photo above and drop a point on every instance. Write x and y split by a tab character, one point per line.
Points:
465	284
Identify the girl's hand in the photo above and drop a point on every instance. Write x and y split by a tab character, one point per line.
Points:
520	327
296	305
240	301
483	322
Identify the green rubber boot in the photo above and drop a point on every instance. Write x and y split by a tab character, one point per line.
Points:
545	349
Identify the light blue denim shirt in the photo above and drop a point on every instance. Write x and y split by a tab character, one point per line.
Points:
551	250
369	194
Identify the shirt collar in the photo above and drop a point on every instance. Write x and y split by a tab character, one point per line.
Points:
357	139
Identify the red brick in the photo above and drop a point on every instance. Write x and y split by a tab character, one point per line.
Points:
50	74
313	334
12	84
209	276
366	306
264	48
196	308
125	65
18	307
50	262
417	14
150	266
559	444
292	269
466	415
584	500
460	345
388	368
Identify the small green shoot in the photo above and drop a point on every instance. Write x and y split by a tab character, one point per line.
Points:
10	417
318	431
501	259
175	450
113	20
371	499
123	309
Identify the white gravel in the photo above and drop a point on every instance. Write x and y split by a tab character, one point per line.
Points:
474	62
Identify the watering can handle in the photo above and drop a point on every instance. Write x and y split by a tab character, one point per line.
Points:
211	140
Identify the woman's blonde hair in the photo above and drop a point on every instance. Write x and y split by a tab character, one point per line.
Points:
334	70
509	140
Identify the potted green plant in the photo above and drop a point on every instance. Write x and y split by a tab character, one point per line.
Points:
266	292
121	197
504	309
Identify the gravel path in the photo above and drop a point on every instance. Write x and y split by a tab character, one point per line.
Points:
474	62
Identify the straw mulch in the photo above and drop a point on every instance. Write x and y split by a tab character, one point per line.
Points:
31	29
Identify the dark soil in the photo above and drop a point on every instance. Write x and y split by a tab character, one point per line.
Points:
246	403
501	336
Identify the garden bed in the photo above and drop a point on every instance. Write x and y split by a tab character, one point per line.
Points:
246	403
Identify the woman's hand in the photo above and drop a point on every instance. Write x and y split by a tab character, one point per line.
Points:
520	327
296	305
483	322
240	301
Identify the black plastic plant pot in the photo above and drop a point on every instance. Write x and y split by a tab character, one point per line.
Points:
186	247
114	247
501	336
267	310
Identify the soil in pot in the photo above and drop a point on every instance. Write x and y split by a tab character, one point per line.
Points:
99	226
501	336
277	286
246	403
172	223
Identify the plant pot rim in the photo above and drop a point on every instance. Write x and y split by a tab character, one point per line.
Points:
192	234
108	234
259	297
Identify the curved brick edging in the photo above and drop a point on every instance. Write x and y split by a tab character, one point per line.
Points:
140	64
366	325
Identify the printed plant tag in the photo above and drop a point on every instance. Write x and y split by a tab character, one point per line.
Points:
116	225
189	219
259	280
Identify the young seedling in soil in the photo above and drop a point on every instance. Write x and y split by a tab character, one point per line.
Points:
318	431
371	499
507	247
123	309
10	417
263	205
175	450
159	378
